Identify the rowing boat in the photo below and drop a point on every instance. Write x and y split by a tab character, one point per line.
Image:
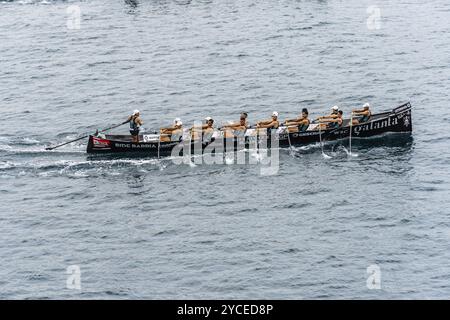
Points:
397	120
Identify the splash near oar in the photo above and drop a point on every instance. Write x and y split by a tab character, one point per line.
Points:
291	151
84	137
321	142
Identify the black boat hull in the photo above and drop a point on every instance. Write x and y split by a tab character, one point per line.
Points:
395	121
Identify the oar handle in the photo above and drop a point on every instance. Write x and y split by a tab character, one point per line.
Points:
115	126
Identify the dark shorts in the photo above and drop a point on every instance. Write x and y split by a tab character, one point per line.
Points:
362	119
333	125
134	132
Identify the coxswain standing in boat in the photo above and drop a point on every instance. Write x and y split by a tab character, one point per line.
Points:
135	124
362	115
236	129
173	133
269	124
299	124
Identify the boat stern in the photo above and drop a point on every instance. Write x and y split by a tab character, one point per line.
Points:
96	144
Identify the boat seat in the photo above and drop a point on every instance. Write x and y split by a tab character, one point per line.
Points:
313	127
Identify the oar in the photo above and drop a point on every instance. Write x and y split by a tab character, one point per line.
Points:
350	137
289	140
159	144
321	142
320	136
191	164
78	139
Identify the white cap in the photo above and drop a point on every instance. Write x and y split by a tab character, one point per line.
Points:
208	118
335	108
135	112
177	122
366	105
274	114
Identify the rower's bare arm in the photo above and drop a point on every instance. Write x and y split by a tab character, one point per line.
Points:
202	127
233	126
360	111
264	123
237	127
261	125
293	122
269	125
167	130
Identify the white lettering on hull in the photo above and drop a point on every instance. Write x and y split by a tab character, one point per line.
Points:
389	122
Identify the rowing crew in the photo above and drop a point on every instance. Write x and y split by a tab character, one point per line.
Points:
335	119
300	124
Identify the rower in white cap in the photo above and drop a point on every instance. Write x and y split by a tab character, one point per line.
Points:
206	130
269	124
333	115
172	133
135	124
362	115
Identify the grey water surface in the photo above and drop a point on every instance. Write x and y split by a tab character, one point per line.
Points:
141	228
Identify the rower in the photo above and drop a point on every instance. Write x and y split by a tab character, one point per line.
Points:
236	129
173	133
269	124
209	130
206	130
324	119
299	124
363	115
333	114
244	115
135	124
333	123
